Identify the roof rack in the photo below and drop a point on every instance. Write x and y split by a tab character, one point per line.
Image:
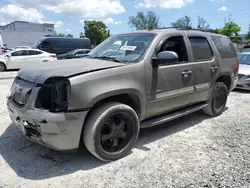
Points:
179	28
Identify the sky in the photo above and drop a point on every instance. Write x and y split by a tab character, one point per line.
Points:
69	15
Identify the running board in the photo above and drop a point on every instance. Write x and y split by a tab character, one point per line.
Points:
171	116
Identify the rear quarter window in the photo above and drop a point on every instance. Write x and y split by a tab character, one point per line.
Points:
224	47
33	52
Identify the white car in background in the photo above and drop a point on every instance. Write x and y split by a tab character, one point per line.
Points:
1	45
23	58
22	47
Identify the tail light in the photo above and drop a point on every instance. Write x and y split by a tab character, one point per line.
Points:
2	50
238	66
54	95
54	56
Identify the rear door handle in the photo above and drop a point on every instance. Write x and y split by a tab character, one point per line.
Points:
186	74
214	68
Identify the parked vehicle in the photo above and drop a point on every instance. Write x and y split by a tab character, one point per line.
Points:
61	45
1	45
77	53
22	47
23	58
102	100
244	71
245	49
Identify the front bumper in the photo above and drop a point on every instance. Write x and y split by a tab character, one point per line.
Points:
58	131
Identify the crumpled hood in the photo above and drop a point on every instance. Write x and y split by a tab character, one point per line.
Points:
244	69
64	68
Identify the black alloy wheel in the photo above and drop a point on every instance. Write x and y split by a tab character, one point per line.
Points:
111	130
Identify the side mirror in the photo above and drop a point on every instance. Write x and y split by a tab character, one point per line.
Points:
8	55
165	57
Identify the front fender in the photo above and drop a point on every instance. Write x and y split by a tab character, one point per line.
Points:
88	89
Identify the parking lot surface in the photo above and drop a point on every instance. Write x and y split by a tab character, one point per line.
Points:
194	151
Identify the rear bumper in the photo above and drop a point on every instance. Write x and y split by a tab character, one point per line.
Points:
58	131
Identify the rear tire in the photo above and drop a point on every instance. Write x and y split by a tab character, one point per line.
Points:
111	131
217	100
2	67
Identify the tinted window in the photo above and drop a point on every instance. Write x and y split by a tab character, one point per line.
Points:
201	48
224	47
33	52
81	52
177	45
19	53
46	45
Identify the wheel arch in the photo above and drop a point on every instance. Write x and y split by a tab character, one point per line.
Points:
5	66
130	97
226	79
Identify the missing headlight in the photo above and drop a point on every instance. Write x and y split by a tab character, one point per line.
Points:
54	95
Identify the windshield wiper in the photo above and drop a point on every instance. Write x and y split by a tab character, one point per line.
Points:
108	58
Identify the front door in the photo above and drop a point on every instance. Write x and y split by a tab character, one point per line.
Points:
17	59
205	66
172	84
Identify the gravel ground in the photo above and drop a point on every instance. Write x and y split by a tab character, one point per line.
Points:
194	151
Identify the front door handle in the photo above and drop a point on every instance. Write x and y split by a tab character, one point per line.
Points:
186	74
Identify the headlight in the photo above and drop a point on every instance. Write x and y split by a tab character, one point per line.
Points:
54	95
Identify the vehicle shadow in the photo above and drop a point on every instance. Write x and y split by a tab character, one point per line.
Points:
32	161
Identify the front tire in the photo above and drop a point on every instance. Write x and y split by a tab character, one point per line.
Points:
111	131
217	100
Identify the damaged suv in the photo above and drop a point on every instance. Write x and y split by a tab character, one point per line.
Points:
130	81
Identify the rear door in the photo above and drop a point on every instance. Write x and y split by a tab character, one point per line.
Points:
33	58
205	65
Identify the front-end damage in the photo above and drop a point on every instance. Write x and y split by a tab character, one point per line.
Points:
41	113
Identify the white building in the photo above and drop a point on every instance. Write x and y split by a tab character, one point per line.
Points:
20	33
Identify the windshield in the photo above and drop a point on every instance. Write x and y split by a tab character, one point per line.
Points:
124	48
244	59
246	49
36	44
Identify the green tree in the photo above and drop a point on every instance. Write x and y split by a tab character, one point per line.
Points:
61	35
182	22
82	35
69	35
96	31
202	24
231	29
248	33
212	30
65	35
144	21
